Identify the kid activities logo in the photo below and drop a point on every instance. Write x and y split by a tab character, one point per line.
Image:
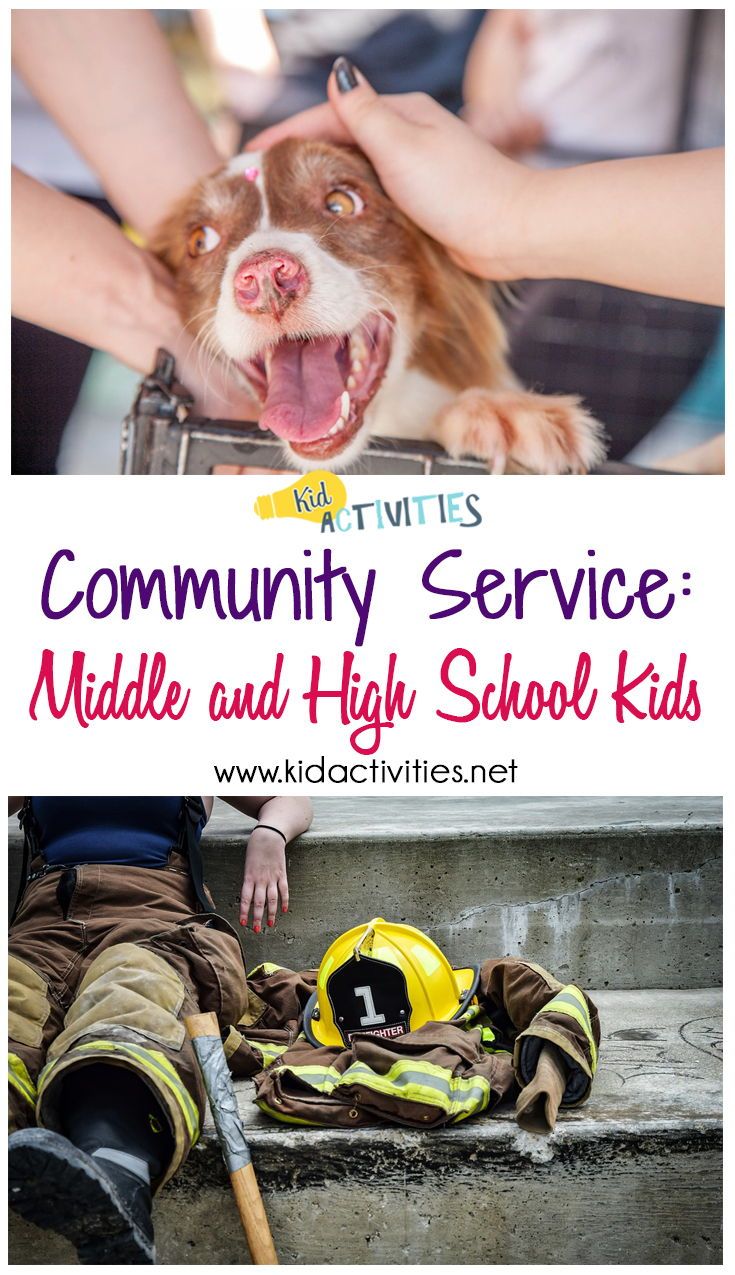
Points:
321	497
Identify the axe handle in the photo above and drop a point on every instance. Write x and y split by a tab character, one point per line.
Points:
253	1217
243	1180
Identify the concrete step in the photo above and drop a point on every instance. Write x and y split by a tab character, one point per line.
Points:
620	892
633	1177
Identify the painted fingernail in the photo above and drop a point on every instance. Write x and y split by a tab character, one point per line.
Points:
270	923
244	924
344	74
284	909
256	929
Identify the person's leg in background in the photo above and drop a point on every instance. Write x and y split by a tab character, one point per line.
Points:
629	356
47	374
690	436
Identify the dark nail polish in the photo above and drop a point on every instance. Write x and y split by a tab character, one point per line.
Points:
344	74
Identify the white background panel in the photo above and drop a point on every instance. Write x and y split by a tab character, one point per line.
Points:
674	524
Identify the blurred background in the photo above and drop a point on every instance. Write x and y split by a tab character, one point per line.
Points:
551	87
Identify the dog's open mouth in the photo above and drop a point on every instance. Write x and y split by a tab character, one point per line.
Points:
315	390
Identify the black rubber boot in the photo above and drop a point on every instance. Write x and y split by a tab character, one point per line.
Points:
94	1184
102	1208
110	1107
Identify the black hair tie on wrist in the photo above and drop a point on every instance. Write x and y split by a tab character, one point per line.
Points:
270	828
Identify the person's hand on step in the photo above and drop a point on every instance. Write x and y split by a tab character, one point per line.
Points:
265	879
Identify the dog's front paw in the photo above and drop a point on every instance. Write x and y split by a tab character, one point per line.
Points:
546	434
474	426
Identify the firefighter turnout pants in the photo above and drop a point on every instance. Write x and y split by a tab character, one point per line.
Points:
105	962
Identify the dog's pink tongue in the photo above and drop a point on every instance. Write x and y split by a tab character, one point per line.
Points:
305	388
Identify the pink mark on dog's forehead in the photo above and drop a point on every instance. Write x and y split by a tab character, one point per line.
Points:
252	174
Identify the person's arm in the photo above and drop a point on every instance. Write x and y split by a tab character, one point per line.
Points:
493	82
265	876
76	273
108	79
653	225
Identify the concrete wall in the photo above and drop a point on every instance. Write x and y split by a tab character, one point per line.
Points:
612	892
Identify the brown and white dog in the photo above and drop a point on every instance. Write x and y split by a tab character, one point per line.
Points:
347	321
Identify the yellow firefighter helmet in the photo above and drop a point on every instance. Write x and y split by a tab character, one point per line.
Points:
382	979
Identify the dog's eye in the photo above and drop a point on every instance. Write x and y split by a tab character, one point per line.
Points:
343	202
203	239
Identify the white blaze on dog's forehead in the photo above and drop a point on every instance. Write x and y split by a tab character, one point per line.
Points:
249	165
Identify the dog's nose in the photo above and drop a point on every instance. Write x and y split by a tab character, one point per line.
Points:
269	281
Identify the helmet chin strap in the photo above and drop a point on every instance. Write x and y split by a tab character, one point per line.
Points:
468	993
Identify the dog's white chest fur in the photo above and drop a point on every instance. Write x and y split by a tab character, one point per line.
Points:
407	405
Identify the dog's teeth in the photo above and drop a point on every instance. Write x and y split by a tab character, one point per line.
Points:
345	404
358	348
351	382
356	365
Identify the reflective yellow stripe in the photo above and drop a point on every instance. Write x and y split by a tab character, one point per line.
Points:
410	1079
414	1089
458	1096
266	968
152	1061
573	1012
158	1065
324	1079
572	990
491	1049
280	1115
488	1035
469	1015
266	1049
19	1078
571	1001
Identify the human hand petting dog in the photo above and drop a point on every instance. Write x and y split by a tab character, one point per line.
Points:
110	294
438	171
654	224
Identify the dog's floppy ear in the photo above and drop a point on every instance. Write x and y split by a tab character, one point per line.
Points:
168	241
461	340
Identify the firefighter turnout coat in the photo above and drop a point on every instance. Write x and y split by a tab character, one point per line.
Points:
440	1074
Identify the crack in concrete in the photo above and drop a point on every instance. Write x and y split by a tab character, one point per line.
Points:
616	878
